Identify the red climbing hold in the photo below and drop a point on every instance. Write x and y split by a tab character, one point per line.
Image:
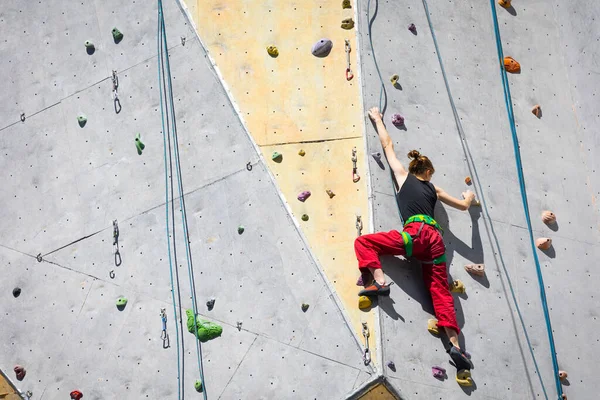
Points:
20	372
511	65
76	395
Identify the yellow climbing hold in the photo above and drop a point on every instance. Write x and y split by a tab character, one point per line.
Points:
330	193
301	153
346	4
394	79
504	3
432	326
463	377
348	23
273	51
364	302
457	287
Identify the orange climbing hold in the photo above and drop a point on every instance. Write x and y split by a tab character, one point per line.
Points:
549	217
511	65
562	375
543	243
504	3
537	111
468	180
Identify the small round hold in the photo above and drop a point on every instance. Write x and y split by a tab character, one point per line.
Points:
364	302
348	23
537	111
376	155
89	44
304	217
398	120
346	4
198	386
412	28
543	243
121	302
322	48
273	51
276	156
241	229
210	304
301	153
548	217
504	3
468	180
511	65
305	307
562	375
16	292
394	79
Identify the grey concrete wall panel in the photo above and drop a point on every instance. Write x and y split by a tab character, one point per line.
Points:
63	182
557	154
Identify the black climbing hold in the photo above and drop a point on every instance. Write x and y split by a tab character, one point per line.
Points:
210	304
391	366
305	307
17	292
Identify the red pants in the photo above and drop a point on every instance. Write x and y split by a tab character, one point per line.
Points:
426	246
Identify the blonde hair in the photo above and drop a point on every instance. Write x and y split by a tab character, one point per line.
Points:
419	164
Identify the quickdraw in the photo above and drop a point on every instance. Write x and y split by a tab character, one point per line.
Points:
115	93
349	74
116	243
367	352
359	225
355	176
164	335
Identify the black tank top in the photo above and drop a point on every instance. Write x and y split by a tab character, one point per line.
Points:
416	197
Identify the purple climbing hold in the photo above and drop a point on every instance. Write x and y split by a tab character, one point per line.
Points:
398	120
438	372
412	28
322	48
360	282
304	195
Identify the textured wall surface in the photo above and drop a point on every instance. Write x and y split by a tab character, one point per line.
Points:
62	182
295	102
556	44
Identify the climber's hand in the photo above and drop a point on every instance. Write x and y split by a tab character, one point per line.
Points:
375	115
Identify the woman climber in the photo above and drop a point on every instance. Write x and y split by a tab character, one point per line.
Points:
421	238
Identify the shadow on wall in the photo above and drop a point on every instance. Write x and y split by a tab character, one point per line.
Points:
406	274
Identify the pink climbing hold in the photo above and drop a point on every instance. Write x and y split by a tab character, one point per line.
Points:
398	120
438	372
412	28
304	195
20	372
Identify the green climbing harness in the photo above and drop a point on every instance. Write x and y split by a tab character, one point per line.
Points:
426	219
408	240
408	243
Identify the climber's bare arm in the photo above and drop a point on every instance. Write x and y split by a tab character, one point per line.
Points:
463	204
388	146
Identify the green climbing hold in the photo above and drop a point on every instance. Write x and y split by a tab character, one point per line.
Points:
241	229
139	144
89	44
346	4
304	217
276	156
121	302
198	386
117	35
205	330
305	307
81	119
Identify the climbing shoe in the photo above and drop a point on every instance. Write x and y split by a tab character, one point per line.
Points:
375	290
459	358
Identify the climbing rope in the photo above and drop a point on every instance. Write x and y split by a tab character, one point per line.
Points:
519	165
179	338
170	103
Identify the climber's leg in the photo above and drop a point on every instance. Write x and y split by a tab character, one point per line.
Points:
436	280
368	248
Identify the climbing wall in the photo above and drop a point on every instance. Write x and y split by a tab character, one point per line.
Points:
556	44
298	102
63	185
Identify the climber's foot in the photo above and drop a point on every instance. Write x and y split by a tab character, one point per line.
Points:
461	362
463	377
376	290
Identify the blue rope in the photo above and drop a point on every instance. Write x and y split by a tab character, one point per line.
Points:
480	194
171	104
179	383
513	129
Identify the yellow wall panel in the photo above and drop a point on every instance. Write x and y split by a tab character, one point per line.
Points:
379	392
294	99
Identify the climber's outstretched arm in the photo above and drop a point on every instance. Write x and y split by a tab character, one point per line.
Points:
463	204
388	146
